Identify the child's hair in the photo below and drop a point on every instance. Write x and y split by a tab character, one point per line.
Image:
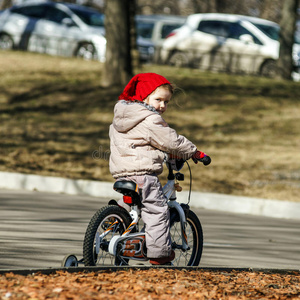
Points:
168	87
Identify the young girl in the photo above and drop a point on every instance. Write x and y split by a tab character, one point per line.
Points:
140	142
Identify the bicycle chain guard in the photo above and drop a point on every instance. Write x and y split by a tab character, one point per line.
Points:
130	247
133	247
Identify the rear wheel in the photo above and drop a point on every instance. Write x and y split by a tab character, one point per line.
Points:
97	236
86	51
194	234
6	42
269	69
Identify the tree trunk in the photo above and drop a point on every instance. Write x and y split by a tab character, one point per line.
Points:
270	10
6	4
286	38
118	64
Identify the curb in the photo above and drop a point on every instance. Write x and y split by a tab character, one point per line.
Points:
50	271
214	201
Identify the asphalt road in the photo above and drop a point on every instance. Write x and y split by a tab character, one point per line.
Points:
38	229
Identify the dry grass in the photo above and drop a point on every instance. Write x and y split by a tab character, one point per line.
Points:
55	116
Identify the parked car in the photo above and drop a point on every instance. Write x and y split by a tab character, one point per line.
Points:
224	42
54	28
146	50
152	31
296	52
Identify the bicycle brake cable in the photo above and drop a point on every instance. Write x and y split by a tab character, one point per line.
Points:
189	197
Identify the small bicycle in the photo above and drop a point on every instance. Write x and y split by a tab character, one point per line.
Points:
113	235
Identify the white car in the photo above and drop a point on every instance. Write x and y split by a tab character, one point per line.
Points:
223	42
54	28
151	32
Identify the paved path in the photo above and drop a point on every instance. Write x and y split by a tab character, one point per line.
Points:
38	229
214	201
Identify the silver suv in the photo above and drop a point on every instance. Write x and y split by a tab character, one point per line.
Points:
223	42
54	28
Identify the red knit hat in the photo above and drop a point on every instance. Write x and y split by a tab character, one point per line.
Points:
142	85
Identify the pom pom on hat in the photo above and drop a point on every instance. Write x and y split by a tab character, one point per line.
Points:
142	85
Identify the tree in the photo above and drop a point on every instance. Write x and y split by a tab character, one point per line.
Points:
270	10
286	38
6	4
118	24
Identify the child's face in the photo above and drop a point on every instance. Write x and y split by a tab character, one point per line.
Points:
159	99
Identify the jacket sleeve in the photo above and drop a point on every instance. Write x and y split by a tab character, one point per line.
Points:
166	139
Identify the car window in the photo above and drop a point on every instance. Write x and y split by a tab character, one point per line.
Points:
168	28
144	29
273	31
225	29
89	17
297	36
33	11
270	31
236	30
218	28
55	15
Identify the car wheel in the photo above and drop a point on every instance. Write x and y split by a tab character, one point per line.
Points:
269	69
179	59
6	42
86	51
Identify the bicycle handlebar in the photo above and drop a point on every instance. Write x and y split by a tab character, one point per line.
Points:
206	160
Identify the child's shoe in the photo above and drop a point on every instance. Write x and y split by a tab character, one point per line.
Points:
162	260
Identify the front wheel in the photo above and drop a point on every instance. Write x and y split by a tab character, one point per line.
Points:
105	224
194	234
6	42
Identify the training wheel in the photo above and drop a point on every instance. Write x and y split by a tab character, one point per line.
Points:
70	261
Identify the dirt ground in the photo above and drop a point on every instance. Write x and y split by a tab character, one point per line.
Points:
154	283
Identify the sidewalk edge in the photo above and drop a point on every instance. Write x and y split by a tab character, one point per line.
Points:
214	201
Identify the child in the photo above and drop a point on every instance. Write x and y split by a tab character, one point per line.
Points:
140	140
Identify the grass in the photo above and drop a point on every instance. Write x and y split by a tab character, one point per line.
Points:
54	119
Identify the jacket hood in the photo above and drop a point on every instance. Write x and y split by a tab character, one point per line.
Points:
128	114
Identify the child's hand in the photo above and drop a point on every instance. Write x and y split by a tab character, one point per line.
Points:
202	157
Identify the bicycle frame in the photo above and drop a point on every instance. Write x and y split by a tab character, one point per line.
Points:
169	191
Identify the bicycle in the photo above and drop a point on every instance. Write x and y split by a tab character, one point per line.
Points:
113	237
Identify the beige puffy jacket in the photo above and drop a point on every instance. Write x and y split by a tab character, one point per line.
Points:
140	139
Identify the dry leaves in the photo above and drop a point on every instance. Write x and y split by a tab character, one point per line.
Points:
151	284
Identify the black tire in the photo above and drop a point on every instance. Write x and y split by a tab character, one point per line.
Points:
86	51
194	234
6	42
101	220
269	69
179	59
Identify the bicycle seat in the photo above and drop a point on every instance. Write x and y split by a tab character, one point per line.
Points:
130	189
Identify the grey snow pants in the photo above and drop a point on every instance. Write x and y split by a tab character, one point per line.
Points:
155	215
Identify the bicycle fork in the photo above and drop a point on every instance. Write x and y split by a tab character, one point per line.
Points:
182	217
170	192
